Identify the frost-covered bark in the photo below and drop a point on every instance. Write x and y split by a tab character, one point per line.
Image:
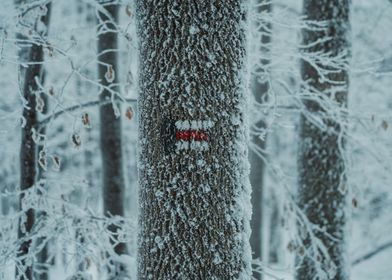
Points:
260	86
28	161
33	54
110	127
194	191
42	265
43	256
322	179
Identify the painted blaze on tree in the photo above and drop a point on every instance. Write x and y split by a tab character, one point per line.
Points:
193	202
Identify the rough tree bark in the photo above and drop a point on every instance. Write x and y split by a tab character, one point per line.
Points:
323	192
194	191
110	128
33	53
260	87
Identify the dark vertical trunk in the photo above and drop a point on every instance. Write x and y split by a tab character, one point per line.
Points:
275	236
260	87
111	147
194	192
28	163
43	264
4	200
43	255
32	53
322	181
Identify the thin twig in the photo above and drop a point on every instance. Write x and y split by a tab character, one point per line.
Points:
75	108
372	253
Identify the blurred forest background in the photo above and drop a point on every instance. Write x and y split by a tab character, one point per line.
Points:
73	235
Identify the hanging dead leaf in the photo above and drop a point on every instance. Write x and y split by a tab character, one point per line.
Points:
39	104
76	140
86	120
42	159
56	162
128	11
42	163
35	135
355	202
129	113
109	75
51	91
128	37
384	125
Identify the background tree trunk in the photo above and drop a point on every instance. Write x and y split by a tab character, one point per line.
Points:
193	191
86	19
111	146
260	87
275	231
322	180
43	256
32	53
43	261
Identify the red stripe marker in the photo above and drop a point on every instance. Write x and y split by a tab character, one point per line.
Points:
188	135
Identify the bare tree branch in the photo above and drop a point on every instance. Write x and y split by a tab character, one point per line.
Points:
75	108
369	255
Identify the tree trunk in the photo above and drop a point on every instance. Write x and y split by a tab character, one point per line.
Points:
110	129
194	191
43	264
323	190
43	255
32	53
260	87
87	19
275	236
